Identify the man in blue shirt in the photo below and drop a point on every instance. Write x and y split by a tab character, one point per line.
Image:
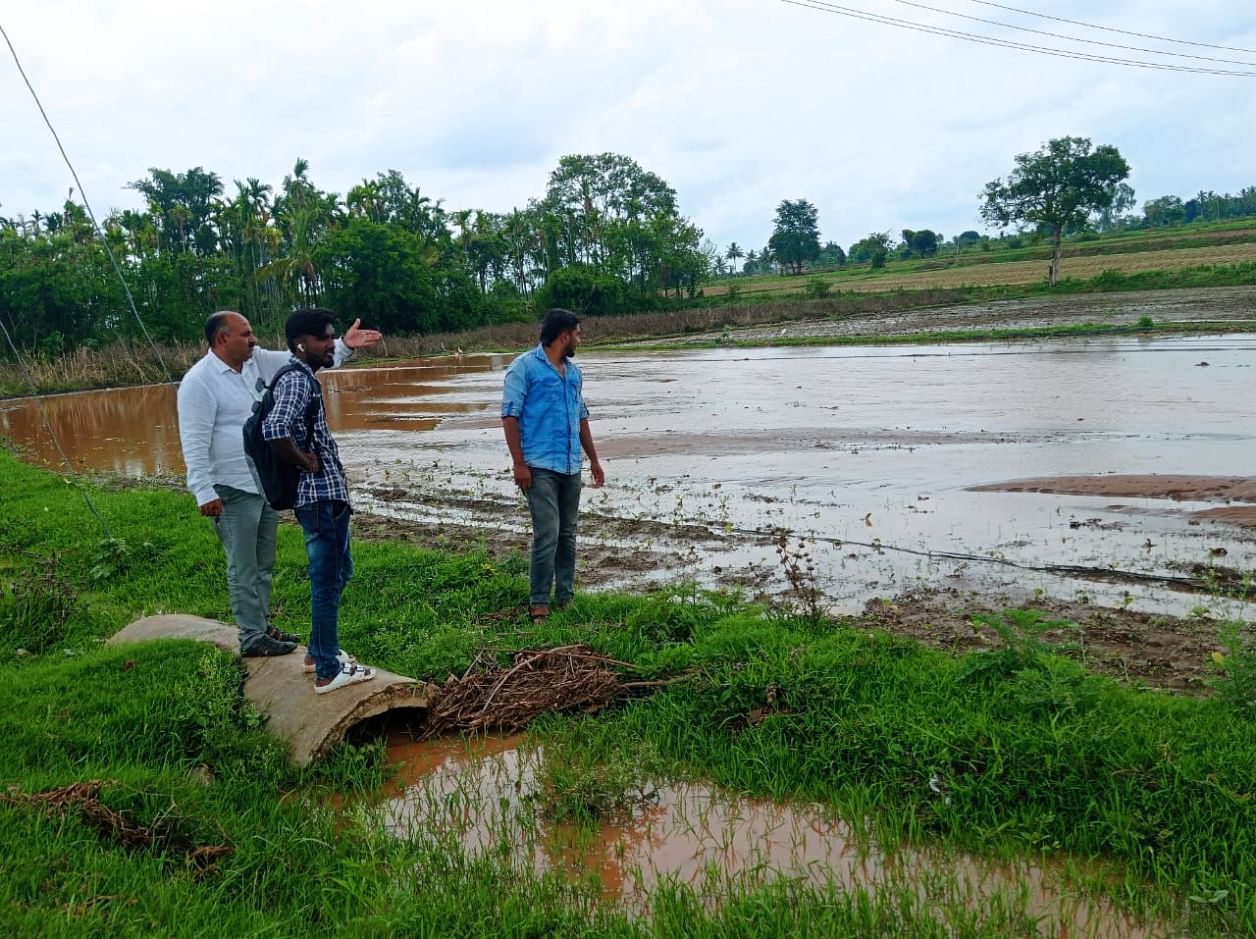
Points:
547	425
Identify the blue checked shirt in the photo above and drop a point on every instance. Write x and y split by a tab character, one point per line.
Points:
549	407
287	419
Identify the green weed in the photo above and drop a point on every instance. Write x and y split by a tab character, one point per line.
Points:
1235	680
36	609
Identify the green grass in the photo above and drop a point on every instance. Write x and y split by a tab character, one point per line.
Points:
1037	755
1161	239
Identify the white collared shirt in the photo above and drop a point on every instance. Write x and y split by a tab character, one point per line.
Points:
214	402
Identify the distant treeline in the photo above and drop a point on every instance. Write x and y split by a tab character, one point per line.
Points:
606	237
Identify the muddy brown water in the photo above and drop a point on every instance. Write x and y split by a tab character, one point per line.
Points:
868	455
488	795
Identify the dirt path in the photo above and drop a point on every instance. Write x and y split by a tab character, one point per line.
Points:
1226	305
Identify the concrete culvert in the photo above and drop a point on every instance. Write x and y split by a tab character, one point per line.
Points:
310	724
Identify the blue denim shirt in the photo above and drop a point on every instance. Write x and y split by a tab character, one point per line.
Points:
549	407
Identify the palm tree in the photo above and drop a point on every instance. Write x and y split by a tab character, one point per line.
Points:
734	254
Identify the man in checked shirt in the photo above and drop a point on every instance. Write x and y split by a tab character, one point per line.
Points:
322	504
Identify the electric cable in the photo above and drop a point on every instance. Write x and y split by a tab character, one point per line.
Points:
87	205
823	7
1113	29
1090	42
43	416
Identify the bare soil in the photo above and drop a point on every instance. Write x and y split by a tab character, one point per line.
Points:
1177	487
1157	651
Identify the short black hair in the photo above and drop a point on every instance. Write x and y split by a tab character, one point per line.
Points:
312	321
216	325
557	321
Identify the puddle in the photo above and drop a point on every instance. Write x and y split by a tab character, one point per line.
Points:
485	795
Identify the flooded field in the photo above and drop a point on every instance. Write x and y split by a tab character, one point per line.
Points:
884	464
491	796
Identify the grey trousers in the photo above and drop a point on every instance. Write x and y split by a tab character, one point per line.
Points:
247	530
554	499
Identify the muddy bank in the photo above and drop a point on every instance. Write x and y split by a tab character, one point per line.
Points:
1180	488
1244	516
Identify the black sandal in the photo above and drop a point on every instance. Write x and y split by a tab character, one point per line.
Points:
280	636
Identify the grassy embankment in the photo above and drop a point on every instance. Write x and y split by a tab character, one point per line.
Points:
1210	250
1036	754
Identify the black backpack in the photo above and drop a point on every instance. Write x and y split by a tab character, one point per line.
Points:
275	476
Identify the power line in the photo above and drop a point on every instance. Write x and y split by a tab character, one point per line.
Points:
1089	42
43	416
823	7
117	270
87	205
1113	29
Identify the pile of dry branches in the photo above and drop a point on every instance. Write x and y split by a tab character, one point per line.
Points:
85	798
490	697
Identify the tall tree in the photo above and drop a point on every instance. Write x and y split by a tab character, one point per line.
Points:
796	236
1057	187
734	254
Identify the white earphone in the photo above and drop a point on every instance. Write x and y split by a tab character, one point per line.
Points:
300	347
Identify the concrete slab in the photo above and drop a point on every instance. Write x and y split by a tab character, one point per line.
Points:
309	723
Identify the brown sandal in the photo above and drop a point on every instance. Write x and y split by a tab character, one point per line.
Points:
539	614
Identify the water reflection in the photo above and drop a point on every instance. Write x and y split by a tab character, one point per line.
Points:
486	794
135	431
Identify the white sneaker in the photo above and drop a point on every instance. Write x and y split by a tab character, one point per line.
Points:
348	675
344	657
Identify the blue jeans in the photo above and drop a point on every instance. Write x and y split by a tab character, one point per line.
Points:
246	529
326	526
554	499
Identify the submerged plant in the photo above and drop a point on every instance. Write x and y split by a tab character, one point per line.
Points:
800	573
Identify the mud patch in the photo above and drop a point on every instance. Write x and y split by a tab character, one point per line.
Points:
1165	652
598	564
1116	485
1243	516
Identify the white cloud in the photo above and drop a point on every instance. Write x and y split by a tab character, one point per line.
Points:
738	105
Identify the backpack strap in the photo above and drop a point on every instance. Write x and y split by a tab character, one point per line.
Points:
312	407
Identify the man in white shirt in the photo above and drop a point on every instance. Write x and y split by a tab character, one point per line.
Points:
215	398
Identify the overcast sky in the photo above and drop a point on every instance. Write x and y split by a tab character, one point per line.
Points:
737	104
